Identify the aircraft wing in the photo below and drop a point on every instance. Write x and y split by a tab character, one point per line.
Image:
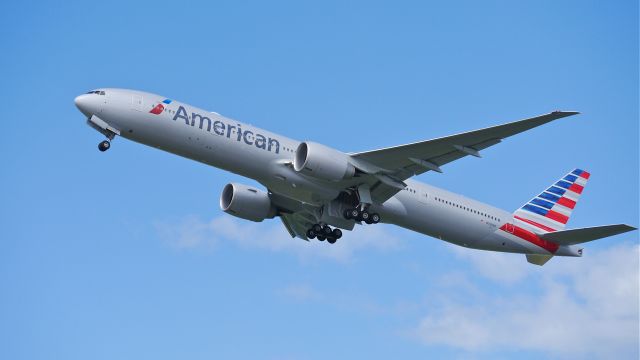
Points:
399	163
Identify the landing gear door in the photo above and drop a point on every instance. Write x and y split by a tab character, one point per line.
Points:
136	102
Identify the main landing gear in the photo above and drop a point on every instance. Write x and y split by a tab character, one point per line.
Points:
104	145
324	232
361	215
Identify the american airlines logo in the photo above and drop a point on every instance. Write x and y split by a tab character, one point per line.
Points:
223	129
158	109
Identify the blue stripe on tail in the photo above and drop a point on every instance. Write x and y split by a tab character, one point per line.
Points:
543	203
535	209
550	197
556	190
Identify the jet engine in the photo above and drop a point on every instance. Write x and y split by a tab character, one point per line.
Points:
322	162
246	202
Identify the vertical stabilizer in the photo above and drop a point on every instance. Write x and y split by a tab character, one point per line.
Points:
551	209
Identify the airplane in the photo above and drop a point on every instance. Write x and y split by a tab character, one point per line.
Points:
318	191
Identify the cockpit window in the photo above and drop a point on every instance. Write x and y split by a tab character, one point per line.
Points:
97	92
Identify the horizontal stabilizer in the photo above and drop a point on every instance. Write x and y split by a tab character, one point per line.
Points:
578	236
538	259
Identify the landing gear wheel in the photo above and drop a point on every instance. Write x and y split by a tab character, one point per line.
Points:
326	231
375	218
321	237
311	234
104	146
336	233
354	214
365	216
331	240
317	228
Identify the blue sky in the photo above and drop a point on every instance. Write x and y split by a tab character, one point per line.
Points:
126	254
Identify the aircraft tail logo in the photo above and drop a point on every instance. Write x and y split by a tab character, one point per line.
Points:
550	210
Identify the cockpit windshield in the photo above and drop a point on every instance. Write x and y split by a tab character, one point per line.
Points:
97	92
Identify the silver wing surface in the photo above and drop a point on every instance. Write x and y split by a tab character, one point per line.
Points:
398	163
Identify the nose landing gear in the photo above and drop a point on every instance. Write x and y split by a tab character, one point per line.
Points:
105	129
104	145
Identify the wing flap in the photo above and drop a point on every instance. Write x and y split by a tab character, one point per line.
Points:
582	235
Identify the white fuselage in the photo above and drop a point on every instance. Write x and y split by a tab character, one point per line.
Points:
259	154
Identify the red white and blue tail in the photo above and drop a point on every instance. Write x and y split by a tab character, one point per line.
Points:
550	211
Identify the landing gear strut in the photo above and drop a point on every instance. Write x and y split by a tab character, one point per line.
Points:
324	232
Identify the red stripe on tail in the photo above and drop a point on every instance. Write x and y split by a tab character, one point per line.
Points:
543	227
557	217
576	188
567	202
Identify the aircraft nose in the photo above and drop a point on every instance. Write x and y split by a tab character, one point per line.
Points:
83	103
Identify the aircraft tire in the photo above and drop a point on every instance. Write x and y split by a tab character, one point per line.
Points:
375	218
311	234
104	146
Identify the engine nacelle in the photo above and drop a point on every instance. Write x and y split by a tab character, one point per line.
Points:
322	162
246	202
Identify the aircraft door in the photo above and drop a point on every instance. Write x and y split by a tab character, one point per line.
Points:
509	227
423	196
136	102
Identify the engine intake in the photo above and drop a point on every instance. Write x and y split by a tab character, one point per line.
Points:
246	202
322	162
